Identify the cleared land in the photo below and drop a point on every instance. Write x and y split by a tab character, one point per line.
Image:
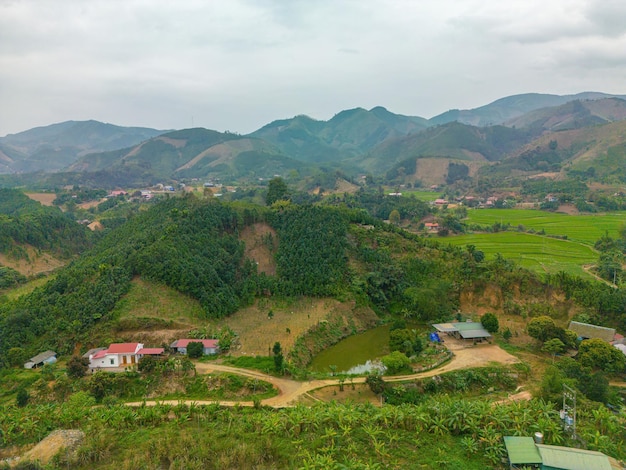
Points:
257	328
535	252
585	229
45	199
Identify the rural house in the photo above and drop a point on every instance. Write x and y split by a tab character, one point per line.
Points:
47	357
120	355
209	346
587	331
463	330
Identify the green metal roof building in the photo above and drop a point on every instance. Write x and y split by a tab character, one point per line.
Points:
525	453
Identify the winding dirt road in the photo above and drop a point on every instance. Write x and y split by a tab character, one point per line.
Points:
289	391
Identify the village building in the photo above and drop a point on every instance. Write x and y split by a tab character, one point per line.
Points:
209	346
431	227
464	330
525	453
588	331
120	355
47	357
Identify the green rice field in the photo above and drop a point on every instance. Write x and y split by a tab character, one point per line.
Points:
422	195
585	229
535	252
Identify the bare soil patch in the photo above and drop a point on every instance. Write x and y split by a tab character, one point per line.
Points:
569	209
56	442
258	330
90	204
354	393
36	263
44	199
261	243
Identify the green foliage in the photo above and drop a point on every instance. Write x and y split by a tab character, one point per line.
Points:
375	382
276	191
395	362
277	351
553	346
77	367
599	354
10	277
311	257
22	397
24	221
406	341
195	349
490	322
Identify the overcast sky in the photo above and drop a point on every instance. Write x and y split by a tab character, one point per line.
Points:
239	64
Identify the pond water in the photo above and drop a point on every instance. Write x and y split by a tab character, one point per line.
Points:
354	351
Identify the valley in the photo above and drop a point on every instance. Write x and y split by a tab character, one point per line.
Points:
302	250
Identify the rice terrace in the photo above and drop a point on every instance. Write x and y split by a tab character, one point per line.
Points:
571	252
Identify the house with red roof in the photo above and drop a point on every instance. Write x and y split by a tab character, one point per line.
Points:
209	346
120	355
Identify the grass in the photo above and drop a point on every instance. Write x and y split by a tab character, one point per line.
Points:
586	229
537	253
146	299
422	195
27	288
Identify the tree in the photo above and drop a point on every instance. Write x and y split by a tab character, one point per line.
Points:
394	217
395	362
22	397
541	328
375	382
490	322
553	346
277	350
276	191
147	364
598	354
77	367
195	349
16	357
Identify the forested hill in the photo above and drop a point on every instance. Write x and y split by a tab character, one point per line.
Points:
26	223
193	246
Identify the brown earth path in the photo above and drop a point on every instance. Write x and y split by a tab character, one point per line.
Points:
290	390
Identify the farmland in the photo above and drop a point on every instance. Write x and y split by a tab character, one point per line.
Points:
535	252
585	229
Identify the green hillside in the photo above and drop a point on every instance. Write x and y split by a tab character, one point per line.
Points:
573	115
54	147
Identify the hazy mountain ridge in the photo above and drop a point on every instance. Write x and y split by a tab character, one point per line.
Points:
511	107
355	140
54	147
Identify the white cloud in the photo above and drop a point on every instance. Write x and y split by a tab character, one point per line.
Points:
238	64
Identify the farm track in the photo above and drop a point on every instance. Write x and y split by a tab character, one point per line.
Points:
290	390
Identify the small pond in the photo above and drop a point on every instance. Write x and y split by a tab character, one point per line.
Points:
354	351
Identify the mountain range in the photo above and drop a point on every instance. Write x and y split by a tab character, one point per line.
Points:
515	131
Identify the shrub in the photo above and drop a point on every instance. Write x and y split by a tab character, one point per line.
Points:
490	322
195	349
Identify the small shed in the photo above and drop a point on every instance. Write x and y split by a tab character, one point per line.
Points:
47	357
463	330
209	346
522	452
588	331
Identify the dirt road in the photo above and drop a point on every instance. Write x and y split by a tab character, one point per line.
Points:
289	391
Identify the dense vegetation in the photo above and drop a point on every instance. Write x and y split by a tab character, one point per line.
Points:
26	222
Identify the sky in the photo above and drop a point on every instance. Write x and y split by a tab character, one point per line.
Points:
237	65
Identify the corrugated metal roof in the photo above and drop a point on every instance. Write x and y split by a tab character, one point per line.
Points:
472	334
522	450
586	330
42	357
568	458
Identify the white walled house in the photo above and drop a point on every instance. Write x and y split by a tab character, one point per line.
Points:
121	355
